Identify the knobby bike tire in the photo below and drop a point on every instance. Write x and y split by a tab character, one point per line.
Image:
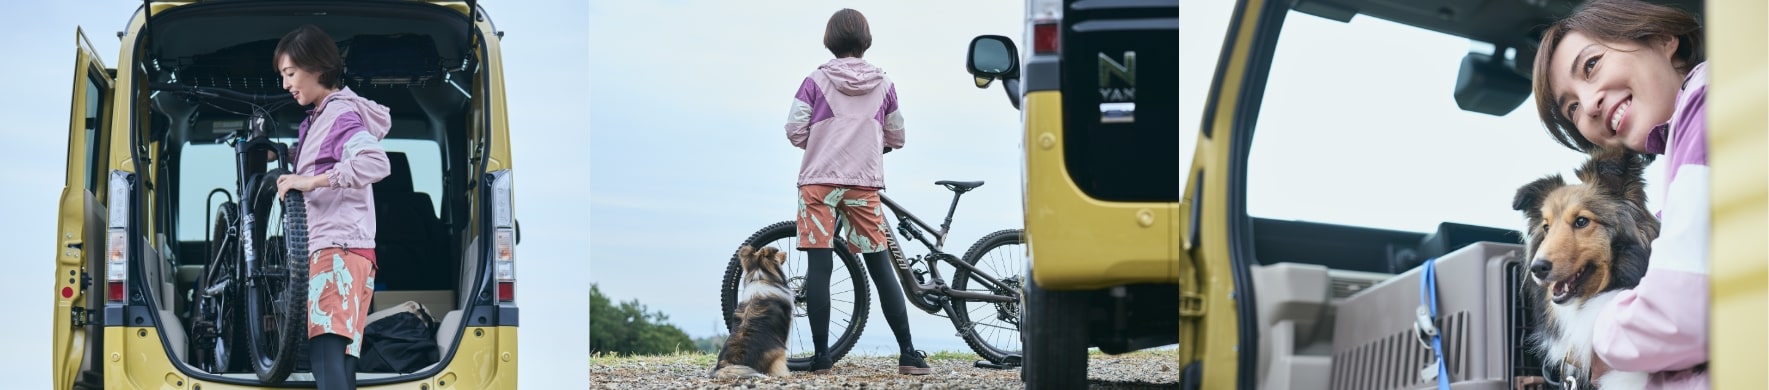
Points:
958	309
274	355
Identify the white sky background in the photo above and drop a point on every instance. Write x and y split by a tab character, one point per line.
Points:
544	57
688	156
689	153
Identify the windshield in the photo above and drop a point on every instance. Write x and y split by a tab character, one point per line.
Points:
1353	132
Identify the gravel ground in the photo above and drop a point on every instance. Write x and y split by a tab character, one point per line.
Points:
1141	370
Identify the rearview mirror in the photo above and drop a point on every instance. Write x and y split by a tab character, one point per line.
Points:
1487	84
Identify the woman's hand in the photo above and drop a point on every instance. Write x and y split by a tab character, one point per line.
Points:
301	183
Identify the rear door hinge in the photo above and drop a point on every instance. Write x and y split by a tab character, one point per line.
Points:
1191	304
81	317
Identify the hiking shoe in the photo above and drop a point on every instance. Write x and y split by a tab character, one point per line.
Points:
913	363
820	365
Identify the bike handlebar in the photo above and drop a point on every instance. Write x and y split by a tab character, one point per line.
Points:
220	92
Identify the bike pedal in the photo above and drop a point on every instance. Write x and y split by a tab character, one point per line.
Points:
993	366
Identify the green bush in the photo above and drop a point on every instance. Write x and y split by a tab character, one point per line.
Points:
630	329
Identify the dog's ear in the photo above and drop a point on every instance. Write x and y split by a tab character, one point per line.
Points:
1618	172
779	256
1529	197
769	253
745	255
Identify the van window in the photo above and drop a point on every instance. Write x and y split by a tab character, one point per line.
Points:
426	160
1354	132
202	168
95	116
205	167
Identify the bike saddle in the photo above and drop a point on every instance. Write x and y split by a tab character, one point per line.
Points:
960	186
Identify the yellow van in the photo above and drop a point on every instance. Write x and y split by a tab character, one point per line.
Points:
147	169
1297	284
1103	207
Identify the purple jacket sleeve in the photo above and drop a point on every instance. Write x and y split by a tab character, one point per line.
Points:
798	119
1662	324
361	160
893	120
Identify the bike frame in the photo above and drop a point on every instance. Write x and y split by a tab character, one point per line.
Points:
249	144
930	297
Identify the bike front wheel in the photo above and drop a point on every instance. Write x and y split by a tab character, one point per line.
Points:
848	294
276	289
992	329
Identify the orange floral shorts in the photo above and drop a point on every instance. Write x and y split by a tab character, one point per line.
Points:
863	221
340	284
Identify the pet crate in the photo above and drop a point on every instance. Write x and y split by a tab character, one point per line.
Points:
1480	315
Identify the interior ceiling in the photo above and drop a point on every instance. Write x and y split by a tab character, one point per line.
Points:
229	45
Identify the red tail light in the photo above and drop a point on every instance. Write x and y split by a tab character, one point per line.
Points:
1045	38
114	291
506	291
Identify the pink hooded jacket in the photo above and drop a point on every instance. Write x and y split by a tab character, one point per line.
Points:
345	141
1661	325
844	115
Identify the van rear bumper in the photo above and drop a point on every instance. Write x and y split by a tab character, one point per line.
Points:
136	358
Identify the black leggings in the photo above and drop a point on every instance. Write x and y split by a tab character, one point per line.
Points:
890	297
332	369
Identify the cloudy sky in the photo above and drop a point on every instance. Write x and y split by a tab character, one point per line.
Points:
544	56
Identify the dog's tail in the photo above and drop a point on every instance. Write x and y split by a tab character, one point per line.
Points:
737	371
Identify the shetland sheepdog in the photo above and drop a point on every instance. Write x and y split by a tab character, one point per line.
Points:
1585	243
757	345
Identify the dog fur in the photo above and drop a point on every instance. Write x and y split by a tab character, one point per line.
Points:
1585	243
757	347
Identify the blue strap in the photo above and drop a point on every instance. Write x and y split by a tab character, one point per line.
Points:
1428	298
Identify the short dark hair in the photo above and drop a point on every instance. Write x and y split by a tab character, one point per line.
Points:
311	49
847	34
1614	21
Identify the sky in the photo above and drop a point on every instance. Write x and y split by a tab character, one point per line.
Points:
689	99
544	58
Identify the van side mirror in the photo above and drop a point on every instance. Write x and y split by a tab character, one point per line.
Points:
993	57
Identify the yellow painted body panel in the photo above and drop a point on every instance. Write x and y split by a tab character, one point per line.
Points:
70	341
1738	141
1077	242
1214	336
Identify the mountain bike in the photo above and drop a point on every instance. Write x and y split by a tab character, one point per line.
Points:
984	306
253	291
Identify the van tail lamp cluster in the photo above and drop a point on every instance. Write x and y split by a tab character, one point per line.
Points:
116	254
1045	39
503	236
1046	17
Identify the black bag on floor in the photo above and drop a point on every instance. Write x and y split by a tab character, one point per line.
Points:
399	339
